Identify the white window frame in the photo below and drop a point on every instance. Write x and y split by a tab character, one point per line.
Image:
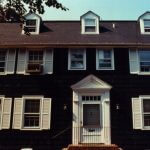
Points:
34	26
141	72
40	116
36	50
69	59
144	98
6	58
112	60
90	32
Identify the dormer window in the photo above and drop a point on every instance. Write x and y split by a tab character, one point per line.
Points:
147	26
144	21
90	23
31	25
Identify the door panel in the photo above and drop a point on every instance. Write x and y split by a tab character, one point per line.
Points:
91	115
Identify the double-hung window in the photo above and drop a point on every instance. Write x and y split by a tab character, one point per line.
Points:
77	59
2	61
147	26
144	61
36	56
35	62
104	60
90	25
32	113
31	25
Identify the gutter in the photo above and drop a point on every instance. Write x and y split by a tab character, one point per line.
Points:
76	45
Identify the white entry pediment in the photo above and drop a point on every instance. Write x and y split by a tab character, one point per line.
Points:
91	82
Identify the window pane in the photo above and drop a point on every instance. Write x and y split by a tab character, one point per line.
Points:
91	114
104	59
90	22
91	98
31	29
77	64
31	22
107	54
146	119
77	61
77	56
146	23
36	56
90	29
105	63
2	69
31	120
2	64
2	56
146	105
32	106
144	57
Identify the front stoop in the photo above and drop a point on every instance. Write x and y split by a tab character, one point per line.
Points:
92	147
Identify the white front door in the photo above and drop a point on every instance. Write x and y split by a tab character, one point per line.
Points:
91	119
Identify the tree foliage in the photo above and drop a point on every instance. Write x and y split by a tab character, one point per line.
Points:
13	10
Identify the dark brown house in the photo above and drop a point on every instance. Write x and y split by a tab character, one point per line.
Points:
75	84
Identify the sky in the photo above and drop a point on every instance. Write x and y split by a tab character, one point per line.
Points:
106	9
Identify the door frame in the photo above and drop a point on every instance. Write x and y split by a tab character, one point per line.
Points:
92	86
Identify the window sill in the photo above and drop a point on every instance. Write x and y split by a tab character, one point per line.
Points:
31	128
144	73
105	69
77	69
92	33
145	33
146	128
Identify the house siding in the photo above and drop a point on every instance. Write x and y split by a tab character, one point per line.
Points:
57	86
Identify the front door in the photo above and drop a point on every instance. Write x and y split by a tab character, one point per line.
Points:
91	119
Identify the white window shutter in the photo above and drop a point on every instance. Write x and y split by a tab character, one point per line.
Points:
17	116
10	64
48	61
6	113
46	113
22	61
134	62
137	113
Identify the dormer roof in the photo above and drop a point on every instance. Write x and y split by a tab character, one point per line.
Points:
146	13
30	14
89	12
